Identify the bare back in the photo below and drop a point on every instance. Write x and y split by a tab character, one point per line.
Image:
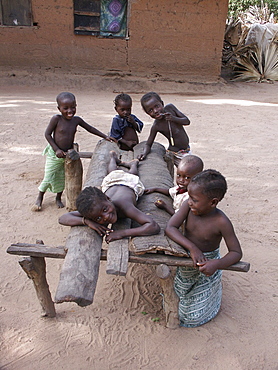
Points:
123	198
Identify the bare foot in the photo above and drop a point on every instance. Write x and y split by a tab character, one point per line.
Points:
134	162
113	154
38	204
59	203
36	208
124	164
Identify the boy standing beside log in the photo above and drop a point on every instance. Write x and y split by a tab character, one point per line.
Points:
169	121
60	134
199	288
120	191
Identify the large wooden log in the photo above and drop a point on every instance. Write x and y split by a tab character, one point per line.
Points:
98	165
35	250
80	270
73	179
153	172
170	299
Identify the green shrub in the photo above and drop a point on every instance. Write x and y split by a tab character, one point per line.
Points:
238	6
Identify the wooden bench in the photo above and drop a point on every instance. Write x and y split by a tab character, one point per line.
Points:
84	247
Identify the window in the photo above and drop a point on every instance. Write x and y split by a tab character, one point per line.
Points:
104	18
15	13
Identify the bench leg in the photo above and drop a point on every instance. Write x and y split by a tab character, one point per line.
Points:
170	298
35	270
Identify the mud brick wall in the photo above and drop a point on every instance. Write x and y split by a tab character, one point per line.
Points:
166	37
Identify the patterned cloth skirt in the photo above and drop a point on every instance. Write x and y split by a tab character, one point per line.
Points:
199	295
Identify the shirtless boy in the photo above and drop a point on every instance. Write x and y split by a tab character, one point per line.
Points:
188	167
168	121
199	288
60	134
120	191
125	125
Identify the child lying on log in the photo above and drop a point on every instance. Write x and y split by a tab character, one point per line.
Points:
120	191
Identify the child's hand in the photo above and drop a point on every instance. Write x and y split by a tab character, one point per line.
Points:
141	157
168	116
149	191
130	119
60	153
160	204
113	235
111	139
100	229
209	267
73	154
197	256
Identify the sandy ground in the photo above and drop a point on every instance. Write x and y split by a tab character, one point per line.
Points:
234	129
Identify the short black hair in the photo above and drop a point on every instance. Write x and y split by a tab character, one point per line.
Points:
122	97
212	183
64	95
194	161
150	95
87	200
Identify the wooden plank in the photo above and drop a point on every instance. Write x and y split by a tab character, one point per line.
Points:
86	154
153	172
118	252
156	259
34	250
87	13
24	249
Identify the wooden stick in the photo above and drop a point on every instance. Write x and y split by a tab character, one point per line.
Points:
35	270
24	249
170	299
85	154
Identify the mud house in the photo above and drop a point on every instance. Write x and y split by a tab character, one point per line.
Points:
139	37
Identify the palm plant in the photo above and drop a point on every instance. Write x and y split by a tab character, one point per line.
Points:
257	61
